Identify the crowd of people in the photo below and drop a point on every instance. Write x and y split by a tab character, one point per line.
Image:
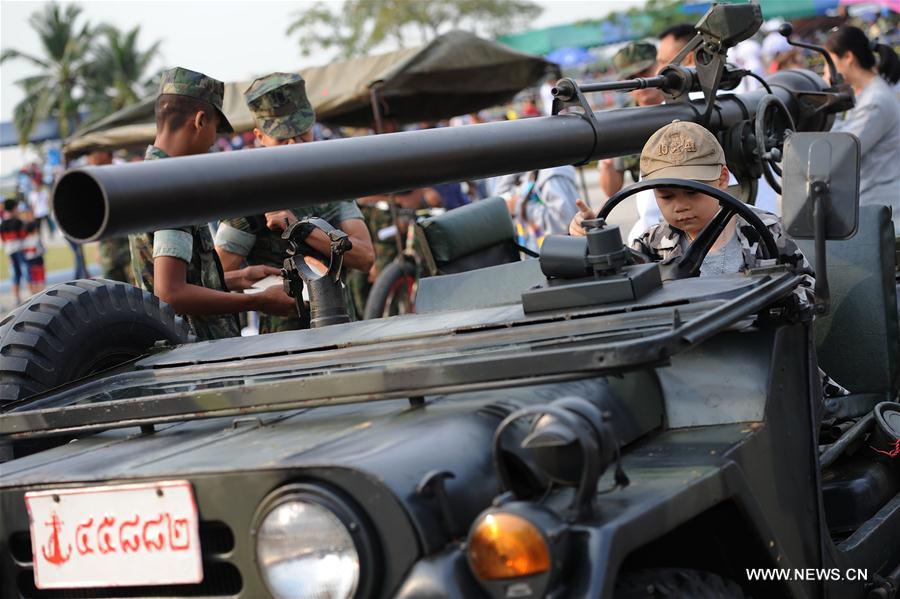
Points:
21	237
196	268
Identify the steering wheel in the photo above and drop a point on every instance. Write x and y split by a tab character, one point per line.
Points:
772	125
690	262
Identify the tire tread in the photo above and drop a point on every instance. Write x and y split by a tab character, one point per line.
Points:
40	334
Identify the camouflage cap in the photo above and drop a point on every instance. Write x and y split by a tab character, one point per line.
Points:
634	58
279	103
184	82
682	150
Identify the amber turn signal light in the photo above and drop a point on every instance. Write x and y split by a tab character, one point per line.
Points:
504	545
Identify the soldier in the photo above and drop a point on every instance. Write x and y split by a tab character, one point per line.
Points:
637	59
671	41
285	116
180	265
115	253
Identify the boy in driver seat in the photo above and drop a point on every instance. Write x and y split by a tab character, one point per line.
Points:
685	150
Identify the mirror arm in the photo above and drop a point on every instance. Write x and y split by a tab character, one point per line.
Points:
820	192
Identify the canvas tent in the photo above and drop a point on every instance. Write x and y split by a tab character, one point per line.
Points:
456	73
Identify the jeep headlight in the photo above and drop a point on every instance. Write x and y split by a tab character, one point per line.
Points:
307	546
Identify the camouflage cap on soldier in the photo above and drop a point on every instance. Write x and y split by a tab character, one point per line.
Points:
184	82
682	150
634	58
279	103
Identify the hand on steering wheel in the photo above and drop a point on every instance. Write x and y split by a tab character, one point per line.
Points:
692	259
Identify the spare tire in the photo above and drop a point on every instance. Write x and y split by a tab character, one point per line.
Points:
77	328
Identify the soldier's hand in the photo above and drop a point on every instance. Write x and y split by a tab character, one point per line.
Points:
276	302
584	213
251	274
607	164
280	220
512	200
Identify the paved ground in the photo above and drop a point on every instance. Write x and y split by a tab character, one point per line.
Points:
624	216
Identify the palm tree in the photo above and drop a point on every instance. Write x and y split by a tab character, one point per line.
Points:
119	66
54	92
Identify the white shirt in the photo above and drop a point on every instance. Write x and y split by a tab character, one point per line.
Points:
875	120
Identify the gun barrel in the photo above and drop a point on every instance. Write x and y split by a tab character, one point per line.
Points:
92	203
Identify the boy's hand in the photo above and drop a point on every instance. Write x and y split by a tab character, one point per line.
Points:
276	302
584	213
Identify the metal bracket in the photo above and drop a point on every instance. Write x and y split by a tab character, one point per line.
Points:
432	485
325	293
819	186
570	96
722	27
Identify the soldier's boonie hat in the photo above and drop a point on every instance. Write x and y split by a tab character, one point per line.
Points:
184	82
279	103
682	150
634	58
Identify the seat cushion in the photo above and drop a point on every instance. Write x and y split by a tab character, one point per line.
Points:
499	253
468	229
858	341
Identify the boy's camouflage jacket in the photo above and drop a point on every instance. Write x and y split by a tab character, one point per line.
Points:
664	243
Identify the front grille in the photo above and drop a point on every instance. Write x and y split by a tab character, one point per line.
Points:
219	576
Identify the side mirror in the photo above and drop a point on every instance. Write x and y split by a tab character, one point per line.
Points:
731	24
821	195
821	169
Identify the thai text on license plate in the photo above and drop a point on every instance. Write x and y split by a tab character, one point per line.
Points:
121	535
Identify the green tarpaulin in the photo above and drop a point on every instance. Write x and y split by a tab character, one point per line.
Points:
454	74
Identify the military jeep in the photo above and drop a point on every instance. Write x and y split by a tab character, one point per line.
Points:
580	425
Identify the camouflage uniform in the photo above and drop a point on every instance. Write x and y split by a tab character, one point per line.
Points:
665	244
385	253
628	62
203	268
386	249
270	249
634	58
115	260
631	164
282	111
184	82
280	105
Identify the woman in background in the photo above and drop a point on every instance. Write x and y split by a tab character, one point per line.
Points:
871	70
